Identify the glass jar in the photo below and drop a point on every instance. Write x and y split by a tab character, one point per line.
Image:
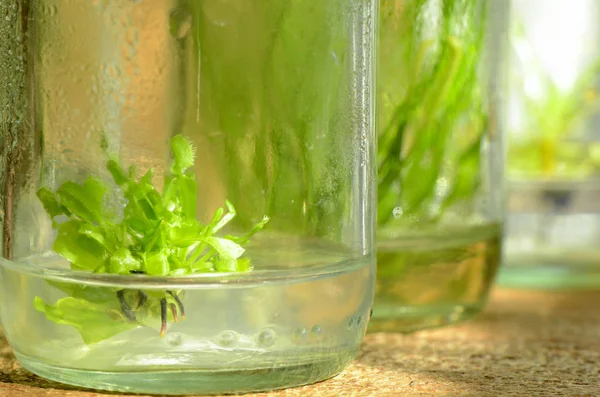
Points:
553	223
188	190
440	162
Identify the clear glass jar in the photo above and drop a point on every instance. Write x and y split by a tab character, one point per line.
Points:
256	118
440	162
553	222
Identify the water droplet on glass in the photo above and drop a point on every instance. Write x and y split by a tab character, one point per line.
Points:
442	186
397	212
455	315
180	23
49	10
227	338
131	37
316	330
224	12
266	338
350	324
300	333
174	339
114	71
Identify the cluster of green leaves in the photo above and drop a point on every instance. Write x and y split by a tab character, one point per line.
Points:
551	119
157	235
432	111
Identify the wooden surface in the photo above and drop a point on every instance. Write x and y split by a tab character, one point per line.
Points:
524	344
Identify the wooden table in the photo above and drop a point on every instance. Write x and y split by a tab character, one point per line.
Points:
524	344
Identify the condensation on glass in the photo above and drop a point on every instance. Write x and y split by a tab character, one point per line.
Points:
276	97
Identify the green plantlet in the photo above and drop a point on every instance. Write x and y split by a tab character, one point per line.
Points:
158	235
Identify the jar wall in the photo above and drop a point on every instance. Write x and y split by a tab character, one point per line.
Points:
440	159
276	98
280	114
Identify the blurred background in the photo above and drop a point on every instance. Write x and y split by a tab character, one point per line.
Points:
553	151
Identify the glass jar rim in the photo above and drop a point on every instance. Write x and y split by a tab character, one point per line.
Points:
196	281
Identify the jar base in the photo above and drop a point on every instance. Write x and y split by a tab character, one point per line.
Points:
434	278
550	276
186	382
411	318
551	235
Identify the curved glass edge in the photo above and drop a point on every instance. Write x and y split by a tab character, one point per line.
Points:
200	281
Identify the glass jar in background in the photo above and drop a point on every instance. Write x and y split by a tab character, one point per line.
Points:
188	190
553	164
440	162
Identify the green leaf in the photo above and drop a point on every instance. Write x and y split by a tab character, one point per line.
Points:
180	272
117	172
158	235
95	322
243	265
225	264
218	224
467	175
215	219
84	201
226	248
50	203
122	262
148	209
186	234
202	267
233	265
157	264
95	233
244	239
144	186
153	239
188	194
183	154
82	251
87	292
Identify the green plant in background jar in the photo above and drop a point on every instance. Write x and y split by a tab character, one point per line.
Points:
438	158
553	158
550	141
278	112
